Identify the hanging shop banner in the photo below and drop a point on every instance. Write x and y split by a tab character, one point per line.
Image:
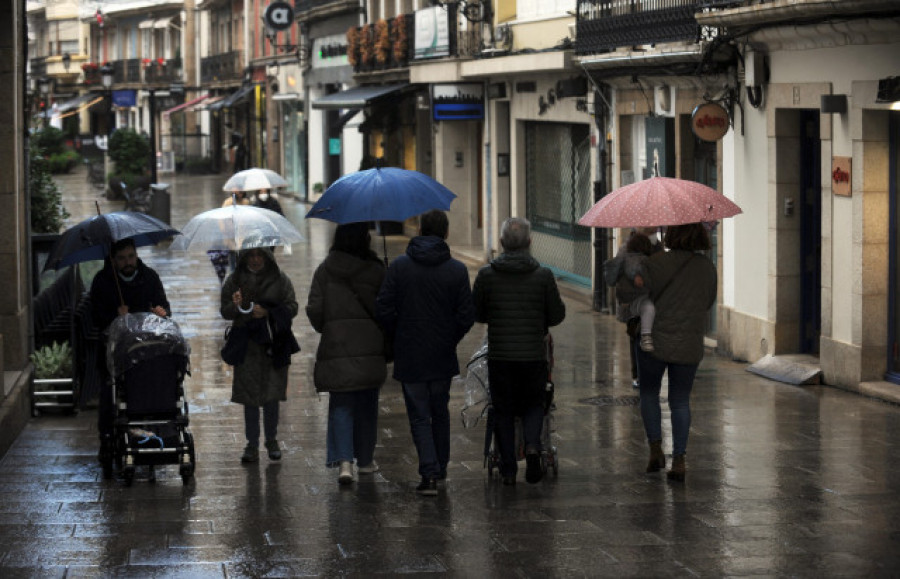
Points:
432	32
124	98
710	122
457	102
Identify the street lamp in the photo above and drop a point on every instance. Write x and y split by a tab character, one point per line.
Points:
44	88
106	77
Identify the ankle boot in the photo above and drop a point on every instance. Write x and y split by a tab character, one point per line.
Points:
678	470
657	457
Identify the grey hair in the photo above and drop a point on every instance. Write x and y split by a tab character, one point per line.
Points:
515	234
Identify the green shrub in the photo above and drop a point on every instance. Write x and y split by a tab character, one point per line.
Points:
130	152
62	162
49	141
53	361
47	211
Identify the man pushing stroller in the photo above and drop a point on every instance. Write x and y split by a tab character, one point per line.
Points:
518	300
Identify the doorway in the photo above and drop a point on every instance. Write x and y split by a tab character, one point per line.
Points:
809	207
893	373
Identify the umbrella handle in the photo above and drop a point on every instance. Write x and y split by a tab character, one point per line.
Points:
248	310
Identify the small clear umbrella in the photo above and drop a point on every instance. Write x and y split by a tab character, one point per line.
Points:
253	180
236	227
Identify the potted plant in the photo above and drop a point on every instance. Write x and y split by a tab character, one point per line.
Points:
401	40
366	47
353	47
382	42
54	380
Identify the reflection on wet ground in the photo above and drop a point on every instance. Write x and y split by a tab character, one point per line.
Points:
782	480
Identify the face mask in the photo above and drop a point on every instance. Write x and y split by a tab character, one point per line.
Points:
263	196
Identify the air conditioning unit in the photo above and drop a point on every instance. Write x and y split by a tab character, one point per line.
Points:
503	36
573	31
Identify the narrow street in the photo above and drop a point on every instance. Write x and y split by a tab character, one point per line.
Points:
782	480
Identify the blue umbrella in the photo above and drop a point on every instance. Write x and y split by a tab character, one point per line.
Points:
381	194
91	239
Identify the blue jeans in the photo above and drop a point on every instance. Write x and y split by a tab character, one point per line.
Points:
429	422
352	426
270	422
681	381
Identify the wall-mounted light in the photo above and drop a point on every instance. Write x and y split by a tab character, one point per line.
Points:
44	86
106	75
832	104
66	61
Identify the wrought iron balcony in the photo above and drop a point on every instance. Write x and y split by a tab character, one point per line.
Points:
307	10
390	44
604	25
161	71
222	67
126	71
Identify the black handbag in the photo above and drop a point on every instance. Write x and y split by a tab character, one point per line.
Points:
235	349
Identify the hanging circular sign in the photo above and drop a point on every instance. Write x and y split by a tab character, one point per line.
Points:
710	121
279	15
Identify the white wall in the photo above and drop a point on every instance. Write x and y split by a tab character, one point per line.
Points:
315	147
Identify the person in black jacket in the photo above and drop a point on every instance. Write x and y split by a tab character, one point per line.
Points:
425	306
519	301
124	285
267	200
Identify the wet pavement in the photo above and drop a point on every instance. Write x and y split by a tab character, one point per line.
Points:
782	480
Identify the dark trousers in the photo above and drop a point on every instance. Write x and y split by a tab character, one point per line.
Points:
270	422
106	408
429	422
518	389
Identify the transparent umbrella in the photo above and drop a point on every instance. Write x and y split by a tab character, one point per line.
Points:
254	179
236	227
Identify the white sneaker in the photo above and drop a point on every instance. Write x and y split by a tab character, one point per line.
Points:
346	475
370	468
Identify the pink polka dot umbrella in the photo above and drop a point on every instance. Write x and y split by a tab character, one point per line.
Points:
659	201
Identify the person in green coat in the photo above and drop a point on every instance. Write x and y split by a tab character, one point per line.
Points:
259	300
683	285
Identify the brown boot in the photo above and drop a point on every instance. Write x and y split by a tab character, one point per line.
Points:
657	457
677	471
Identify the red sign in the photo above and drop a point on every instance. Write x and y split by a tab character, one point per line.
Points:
710	122
840	176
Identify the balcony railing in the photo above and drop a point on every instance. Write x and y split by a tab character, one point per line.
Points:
604	25
126	71
39	67
225	66
162	71
390	44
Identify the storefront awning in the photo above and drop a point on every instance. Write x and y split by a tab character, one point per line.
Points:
183	106
356	97
75	102
232	99
286	96
209	104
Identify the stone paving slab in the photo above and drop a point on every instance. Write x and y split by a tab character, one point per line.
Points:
782	480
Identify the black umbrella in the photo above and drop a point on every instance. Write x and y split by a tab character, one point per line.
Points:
91	239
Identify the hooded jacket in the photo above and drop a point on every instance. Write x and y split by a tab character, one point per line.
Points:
140	294
425	304
683	288
341	307
519	301
259	379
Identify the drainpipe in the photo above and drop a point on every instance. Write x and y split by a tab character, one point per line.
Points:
488	185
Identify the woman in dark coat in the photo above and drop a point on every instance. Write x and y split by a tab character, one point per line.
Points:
350	362
683	286
259	299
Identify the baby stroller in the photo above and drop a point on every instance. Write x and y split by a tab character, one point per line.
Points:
148	358
478	405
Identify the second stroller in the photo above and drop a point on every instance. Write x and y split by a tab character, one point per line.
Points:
477	405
